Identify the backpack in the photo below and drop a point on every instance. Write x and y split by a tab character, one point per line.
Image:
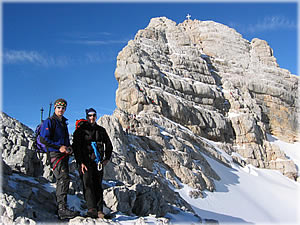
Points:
79	122
40	147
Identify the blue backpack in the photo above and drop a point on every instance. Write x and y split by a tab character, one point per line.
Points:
38	146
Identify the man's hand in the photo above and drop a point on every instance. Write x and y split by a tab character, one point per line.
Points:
63	149
66	150
83	168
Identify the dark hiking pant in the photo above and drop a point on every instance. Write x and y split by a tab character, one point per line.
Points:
61	173
92	187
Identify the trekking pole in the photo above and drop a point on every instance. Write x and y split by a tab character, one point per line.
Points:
50	109
42	110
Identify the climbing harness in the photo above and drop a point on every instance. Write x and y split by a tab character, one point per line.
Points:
53	160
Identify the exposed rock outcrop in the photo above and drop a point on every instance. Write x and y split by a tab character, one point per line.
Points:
205	77
28	189
28	184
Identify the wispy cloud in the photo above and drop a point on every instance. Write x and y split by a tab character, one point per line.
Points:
87	56
36	58
94	57
15	56
96	38
272	23
88	35
268	23
33	57
98	42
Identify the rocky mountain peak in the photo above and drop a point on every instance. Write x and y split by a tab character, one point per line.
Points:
205	77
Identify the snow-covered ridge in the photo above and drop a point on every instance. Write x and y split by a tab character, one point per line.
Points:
251	195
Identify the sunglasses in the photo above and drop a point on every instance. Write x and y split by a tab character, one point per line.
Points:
60	107
94	115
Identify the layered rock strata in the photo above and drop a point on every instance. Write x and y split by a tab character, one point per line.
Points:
205	77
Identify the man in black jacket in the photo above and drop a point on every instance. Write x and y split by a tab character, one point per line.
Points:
90	162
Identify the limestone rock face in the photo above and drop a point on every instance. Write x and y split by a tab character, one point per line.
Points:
145	179
201	79
17	147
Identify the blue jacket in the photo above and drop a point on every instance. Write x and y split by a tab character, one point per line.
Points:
59	137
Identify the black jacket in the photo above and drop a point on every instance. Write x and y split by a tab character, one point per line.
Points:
82	139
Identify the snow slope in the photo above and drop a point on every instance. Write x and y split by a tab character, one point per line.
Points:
250	195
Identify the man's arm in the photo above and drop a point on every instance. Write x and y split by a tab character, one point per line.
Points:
45	135
77	147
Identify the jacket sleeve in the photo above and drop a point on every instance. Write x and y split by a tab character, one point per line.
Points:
108	145
77	146
45	135
67	137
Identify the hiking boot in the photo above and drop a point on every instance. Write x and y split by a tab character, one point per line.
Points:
100	214
92	212
65	213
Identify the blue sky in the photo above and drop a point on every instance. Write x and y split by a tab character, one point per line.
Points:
69	50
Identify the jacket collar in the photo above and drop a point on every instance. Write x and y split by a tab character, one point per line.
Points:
63	119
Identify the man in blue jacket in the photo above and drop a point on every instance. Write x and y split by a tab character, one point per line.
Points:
55	135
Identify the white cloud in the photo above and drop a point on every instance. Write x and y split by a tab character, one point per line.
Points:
268	23
84	35
272	23
92	38
14	57
99	42
93	58
33	57
97	57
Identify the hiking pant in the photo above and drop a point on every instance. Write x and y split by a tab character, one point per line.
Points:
92	186
61	173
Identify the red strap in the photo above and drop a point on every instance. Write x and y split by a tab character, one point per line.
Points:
59	161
